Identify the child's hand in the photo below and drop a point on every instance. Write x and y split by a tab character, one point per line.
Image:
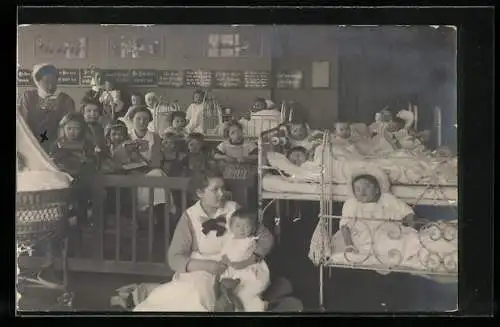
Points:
214	267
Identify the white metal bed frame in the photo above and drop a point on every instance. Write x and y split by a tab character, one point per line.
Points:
433	263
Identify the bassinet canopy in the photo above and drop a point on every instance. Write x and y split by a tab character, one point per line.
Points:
38	172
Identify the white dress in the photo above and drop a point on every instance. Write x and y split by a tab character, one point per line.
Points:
190	291
254	279
375	231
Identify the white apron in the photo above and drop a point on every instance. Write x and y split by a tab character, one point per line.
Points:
190	291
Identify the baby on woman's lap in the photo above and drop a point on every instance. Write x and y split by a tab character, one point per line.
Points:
206	231
237	251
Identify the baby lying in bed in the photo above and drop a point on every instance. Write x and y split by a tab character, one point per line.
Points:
375	234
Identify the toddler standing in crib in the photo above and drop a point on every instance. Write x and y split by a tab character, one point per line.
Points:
239	245
235	148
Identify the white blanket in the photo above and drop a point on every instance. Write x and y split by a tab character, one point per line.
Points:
402	167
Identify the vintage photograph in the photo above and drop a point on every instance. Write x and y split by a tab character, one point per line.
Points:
236	168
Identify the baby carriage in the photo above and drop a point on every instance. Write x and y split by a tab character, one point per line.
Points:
42	203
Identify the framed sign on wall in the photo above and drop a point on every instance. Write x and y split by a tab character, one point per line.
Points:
135	47
24	77
69	48
321	74
234	44
292	80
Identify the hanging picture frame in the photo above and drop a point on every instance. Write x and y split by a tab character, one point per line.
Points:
234	43
320	74
136	46
68	48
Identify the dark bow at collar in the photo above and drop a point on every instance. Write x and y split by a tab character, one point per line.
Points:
215	224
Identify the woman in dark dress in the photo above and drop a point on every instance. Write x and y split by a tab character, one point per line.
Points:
45	106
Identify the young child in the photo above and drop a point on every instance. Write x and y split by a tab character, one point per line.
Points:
92	112
239	245
177	124
297	155
258	105
116	133
159	112
382	120
300	135
172	155
196	159
342	144
199	230
149	143
136	99
373	202
342	131
235	148
112	102
194	113
73	152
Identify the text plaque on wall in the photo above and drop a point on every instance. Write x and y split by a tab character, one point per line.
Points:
68	76
119	76
170	78
289	80
86	75
256	79
24	77
228	79
143	77
198	78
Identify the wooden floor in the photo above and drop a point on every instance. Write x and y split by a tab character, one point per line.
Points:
346	290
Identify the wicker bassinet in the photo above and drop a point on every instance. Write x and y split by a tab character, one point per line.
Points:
40	215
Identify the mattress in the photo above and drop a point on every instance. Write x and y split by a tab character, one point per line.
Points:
277	186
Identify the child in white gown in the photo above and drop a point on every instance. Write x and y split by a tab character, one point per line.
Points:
237	253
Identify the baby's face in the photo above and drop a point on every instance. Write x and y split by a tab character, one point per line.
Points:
343	130
297	157
197	98
72	130
91	113
365	191
393	126
169	144
259	105
116	136
235	134
141	121
298	131
194	146
178	122
240	227
151	101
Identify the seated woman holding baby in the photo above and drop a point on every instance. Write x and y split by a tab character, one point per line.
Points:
198	255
